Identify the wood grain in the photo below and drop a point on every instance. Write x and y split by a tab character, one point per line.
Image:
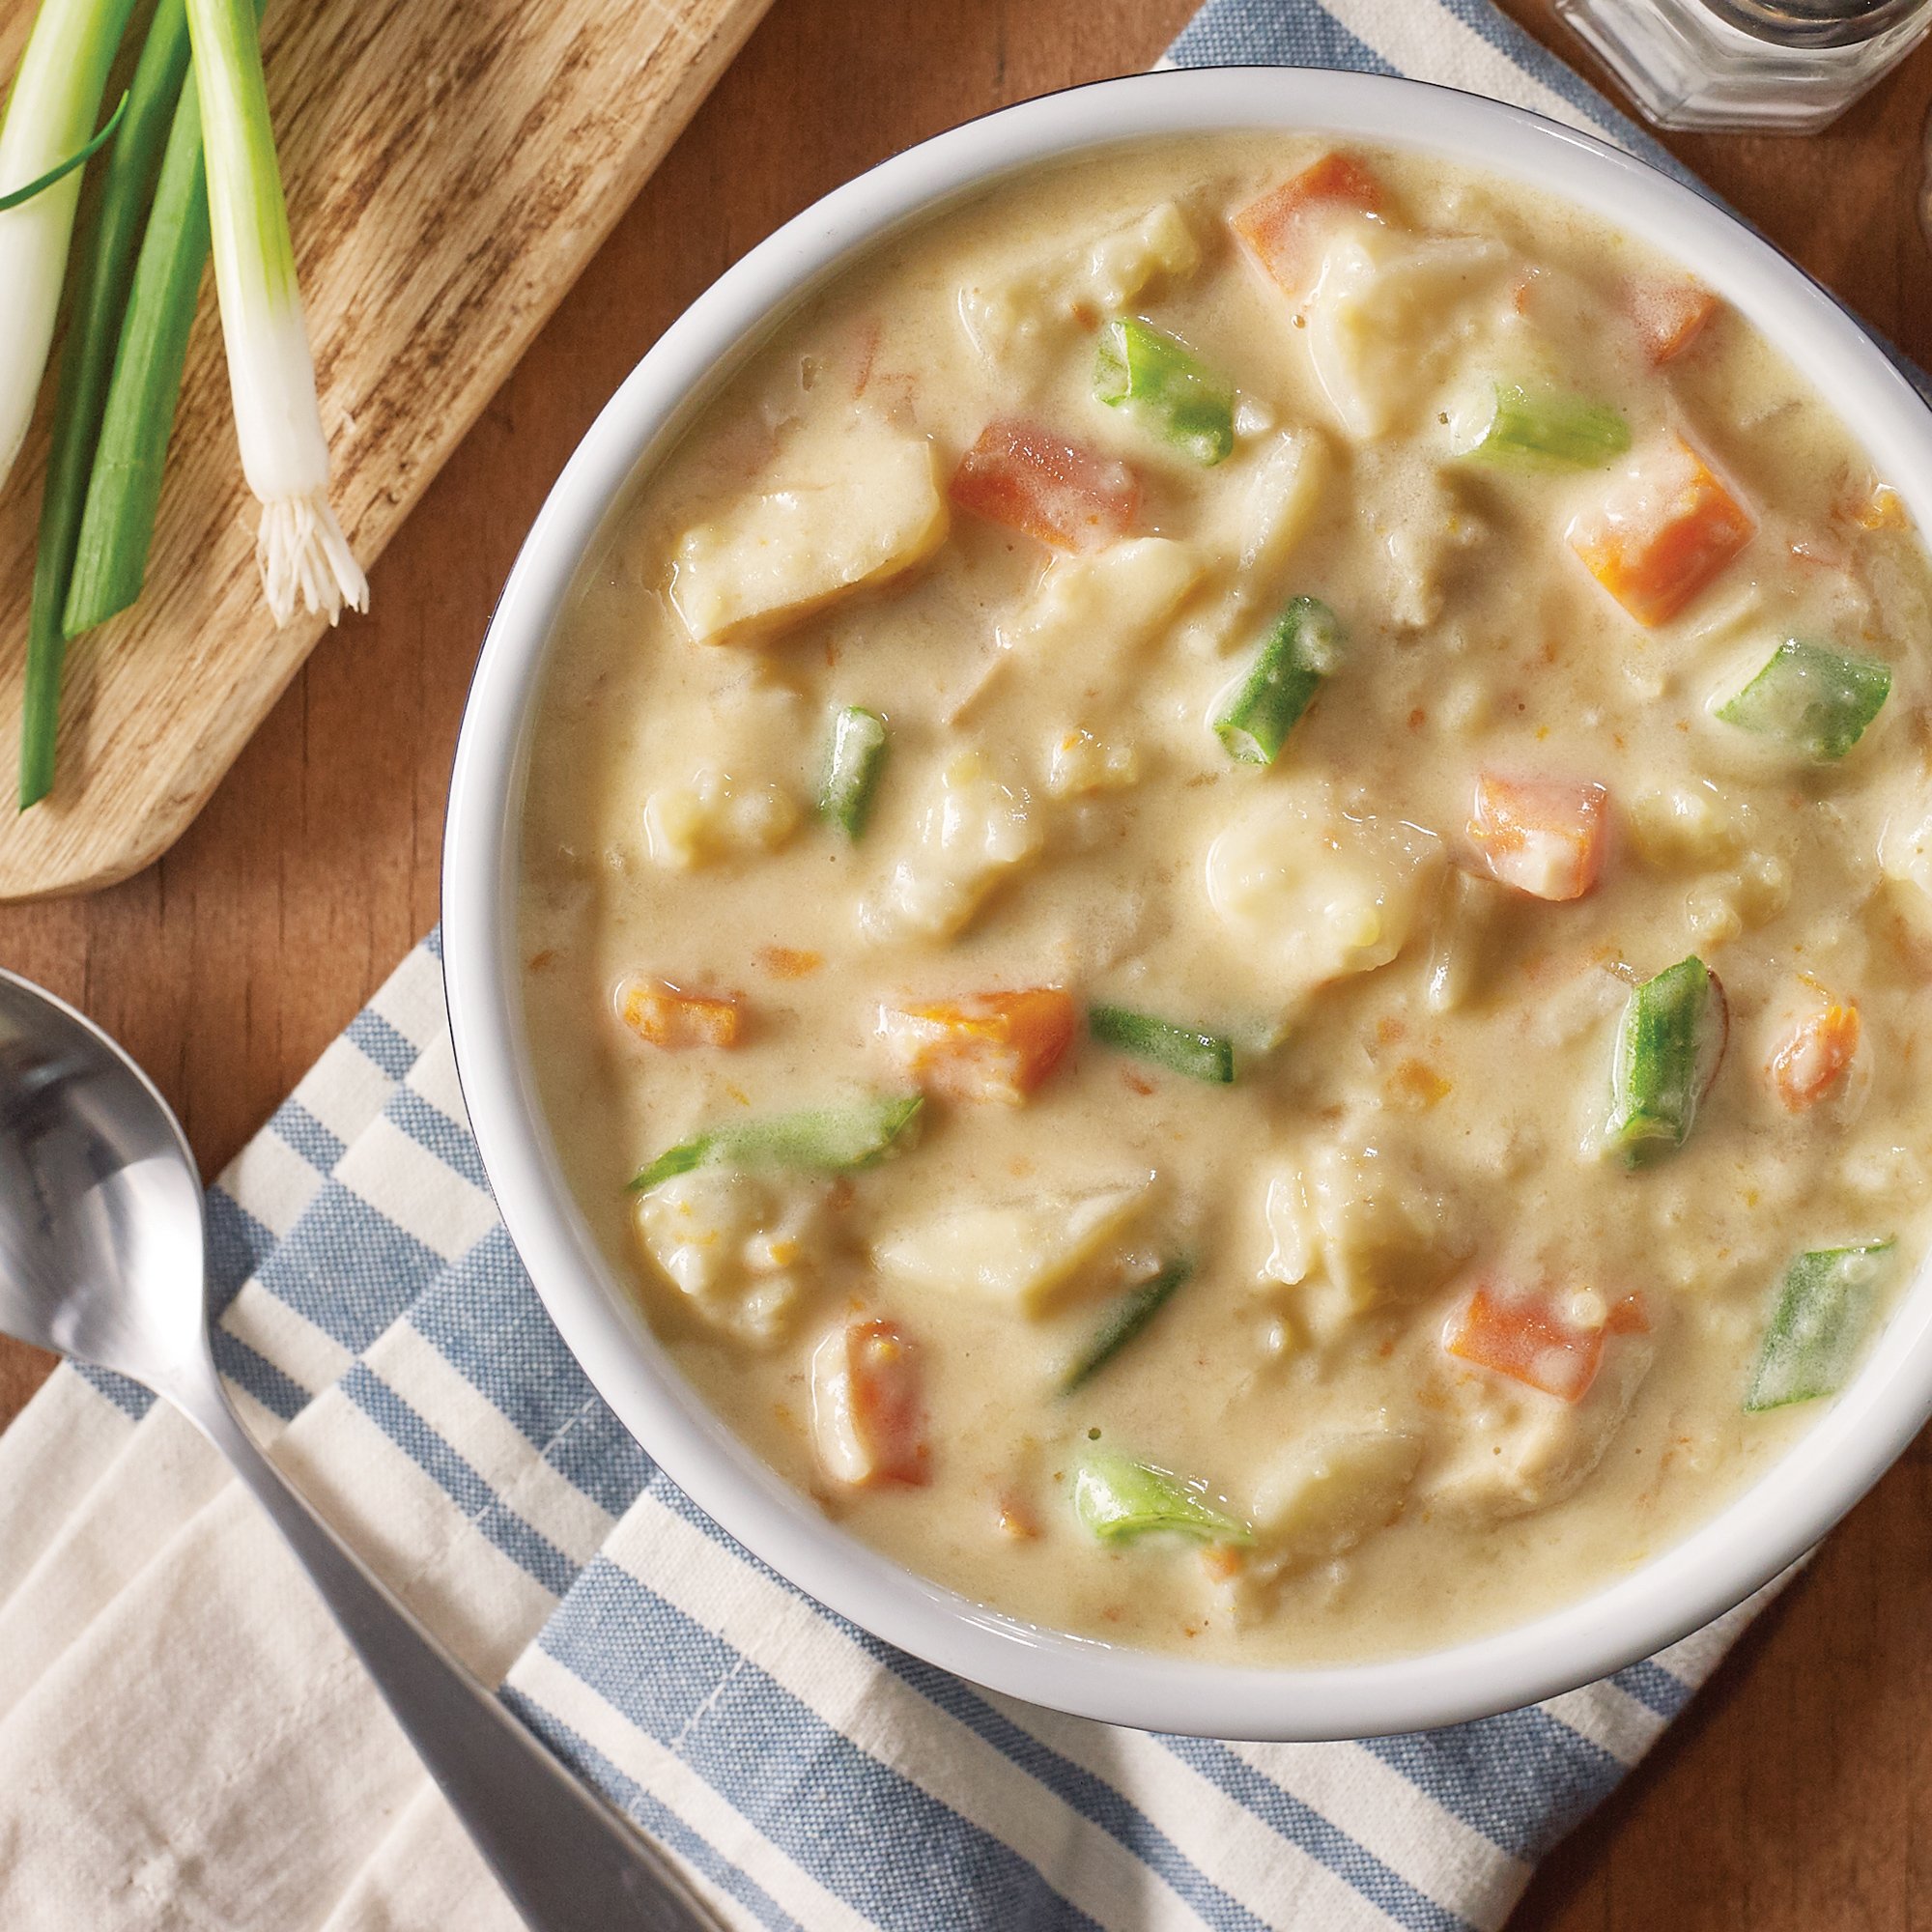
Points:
1796	1796
449	171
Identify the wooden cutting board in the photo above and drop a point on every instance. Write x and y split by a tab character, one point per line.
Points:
450	169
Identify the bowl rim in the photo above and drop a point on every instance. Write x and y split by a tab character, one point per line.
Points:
1670	1593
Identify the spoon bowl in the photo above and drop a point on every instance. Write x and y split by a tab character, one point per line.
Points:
99	1189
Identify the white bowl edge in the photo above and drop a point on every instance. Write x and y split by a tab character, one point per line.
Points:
1752	1540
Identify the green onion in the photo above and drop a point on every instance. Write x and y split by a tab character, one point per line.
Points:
50	114
1822	1311
1816	701
1163	385
1669	1042
1201	1055
1304	648
298	545
1119	1499
821	1140
87	359
117	528
1512	425
854	762
1125	1319
61	169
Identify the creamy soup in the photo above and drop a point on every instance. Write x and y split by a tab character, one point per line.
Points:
1226	890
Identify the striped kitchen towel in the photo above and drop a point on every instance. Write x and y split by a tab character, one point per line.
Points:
185	1742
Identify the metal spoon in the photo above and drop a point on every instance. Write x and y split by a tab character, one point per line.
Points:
102	1256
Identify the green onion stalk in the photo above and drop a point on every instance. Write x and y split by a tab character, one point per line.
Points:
299	546
50	116
103	268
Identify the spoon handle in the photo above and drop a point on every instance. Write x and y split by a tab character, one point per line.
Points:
568	1861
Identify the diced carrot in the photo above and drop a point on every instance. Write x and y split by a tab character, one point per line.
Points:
1670	315
1024	476
1222	1561
1017	1518
1878	506
1668	527
1278	230
1528	1338
667	1016
869	1405
1544	836
785	962
989	1047
1811	1057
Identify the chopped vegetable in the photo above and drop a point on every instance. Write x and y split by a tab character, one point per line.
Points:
1166	388
1544	836
50	116
1022	1255
869	1406
1664	530
299	547
1669	1044
1201	1055
1023	476
124	491
855	760
988	1047
853	503
1276	229
1124	1321
821	1140
1304	648
1812	1056
1534	1339
667	1016
1119	1499
1822	1311
1816	701
87	359
1510	424
1670	315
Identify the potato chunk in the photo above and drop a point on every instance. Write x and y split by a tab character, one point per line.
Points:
1021	1255
1522	1450
1315	1504
1371	1222
740	1247
1049	298
1106	604
851	508
715	817
1309	894
974	833
1289	476
1390	316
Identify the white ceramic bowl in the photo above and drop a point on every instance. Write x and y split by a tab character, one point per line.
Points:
591	1301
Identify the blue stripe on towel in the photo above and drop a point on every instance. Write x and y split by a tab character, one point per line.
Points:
832	1807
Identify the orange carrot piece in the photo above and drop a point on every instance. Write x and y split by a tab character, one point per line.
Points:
989	1047
1528	1339
1667	529
1024	476
667	1016
786	962
1811	1057
1276	229
1544	836
869	1405
1670	315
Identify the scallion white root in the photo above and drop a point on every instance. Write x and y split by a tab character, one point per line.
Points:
298	545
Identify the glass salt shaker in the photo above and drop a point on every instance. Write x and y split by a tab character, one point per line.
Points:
1786	66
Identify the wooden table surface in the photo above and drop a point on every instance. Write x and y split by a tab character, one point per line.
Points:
1798	1791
